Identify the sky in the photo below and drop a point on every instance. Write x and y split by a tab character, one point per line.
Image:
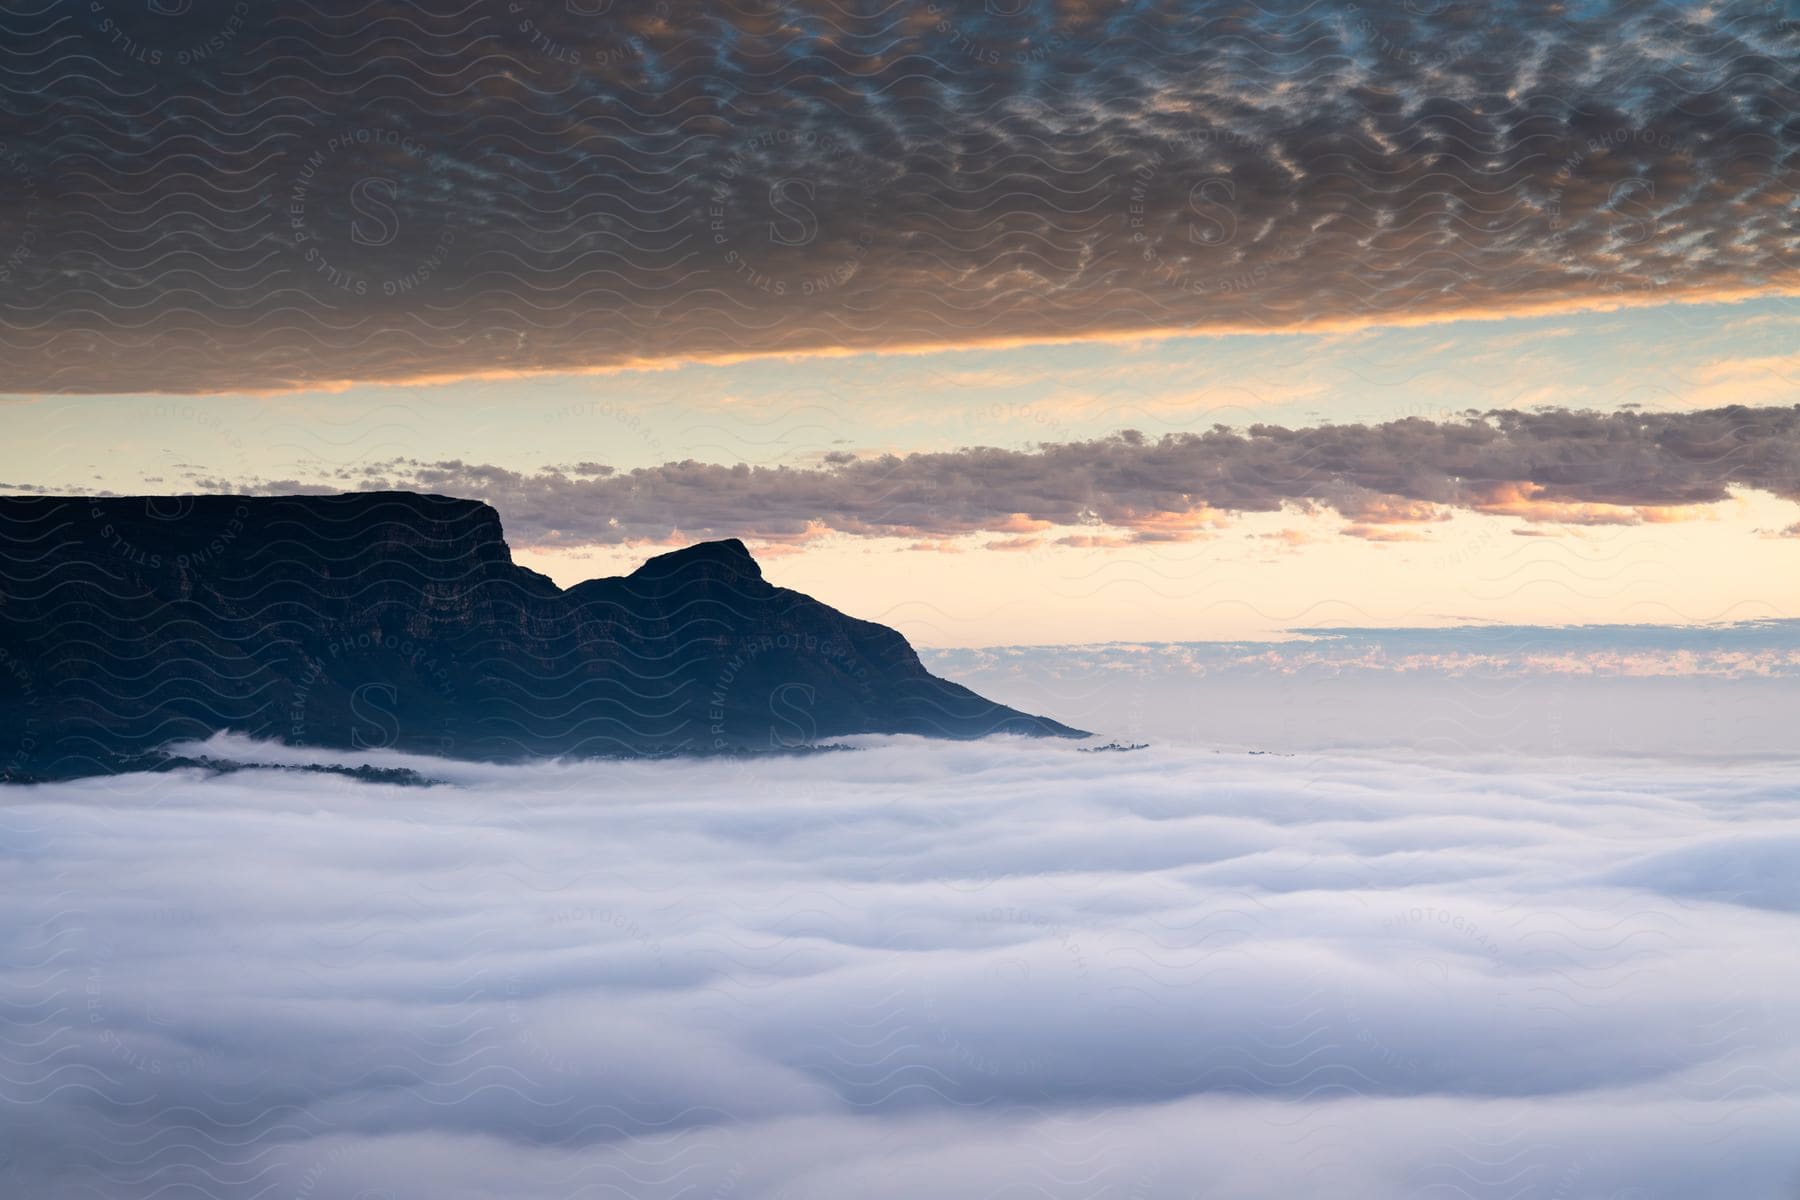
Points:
1014	322
949	969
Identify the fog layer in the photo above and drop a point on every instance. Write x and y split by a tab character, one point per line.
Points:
969	970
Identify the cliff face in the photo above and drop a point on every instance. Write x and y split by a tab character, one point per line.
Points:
379	620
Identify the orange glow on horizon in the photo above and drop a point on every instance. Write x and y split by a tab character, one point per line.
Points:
1321	326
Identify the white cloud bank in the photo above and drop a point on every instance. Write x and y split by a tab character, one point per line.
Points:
985	971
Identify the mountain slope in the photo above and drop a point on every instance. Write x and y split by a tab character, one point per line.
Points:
388	619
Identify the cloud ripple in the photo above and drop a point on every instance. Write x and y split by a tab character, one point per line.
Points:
208	194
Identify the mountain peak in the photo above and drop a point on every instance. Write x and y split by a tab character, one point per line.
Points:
728	553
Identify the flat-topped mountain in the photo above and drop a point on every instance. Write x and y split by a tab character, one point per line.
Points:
394	620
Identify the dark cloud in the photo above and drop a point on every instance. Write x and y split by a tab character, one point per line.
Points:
212	194
919	970
1388	479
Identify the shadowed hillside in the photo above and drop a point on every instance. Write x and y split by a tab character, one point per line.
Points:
394	620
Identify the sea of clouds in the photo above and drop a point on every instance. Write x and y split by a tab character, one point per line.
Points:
990	970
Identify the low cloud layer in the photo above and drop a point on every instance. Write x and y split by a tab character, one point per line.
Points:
213	195
943	970
1708	692
1589	468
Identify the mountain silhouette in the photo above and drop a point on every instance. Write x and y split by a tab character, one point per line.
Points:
382	620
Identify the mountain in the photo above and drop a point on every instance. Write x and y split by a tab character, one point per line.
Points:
393	620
